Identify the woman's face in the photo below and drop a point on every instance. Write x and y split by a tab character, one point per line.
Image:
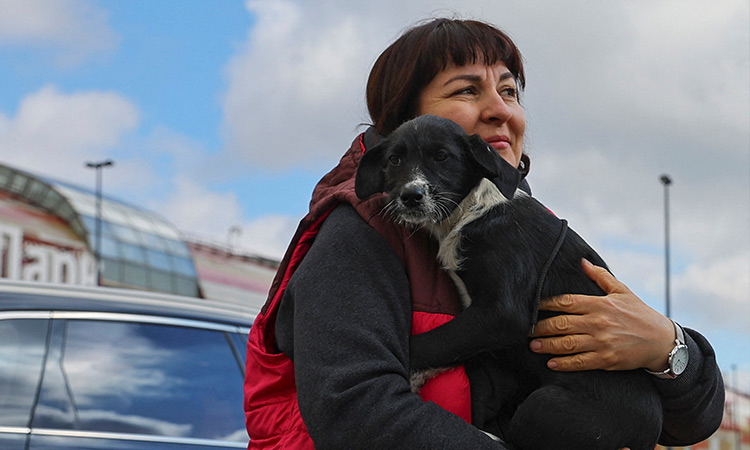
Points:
483	100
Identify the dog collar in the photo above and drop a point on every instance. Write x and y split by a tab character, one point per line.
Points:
545	270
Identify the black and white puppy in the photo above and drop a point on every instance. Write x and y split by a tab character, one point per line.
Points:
506	251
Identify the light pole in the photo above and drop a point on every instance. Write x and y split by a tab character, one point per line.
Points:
735	407
666	181
99	166
233	231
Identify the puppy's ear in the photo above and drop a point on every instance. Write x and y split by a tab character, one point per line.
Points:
370	178
494	167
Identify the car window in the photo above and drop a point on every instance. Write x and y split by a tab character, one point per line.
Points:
22	346
148	379
240	344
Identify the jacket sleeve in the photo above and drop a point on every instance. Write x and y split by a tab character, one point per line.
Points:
693	402
345	321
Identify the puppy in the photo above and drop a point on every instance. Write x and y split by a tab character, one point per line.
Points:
506	251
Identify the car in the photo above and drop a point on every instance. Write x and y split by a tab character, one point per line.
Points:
94	368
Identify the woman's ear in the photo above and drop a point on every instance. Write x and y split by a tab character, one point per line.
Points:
370	178
493	166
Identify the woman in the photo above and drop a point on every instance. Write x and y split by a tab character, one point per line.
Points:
328	356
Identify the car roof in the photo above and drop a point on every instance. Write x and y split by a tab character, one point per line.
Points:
36	296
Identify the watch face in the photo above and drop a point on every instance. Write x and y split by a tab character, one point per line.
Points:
679	359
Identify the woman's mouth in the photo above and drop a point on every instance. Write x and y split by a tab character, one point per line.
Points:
499	142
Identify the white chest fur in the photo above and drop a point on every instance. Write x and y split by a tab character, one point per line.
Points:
448	232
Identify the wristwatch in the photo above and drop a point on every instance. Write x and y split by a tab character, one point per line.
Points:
678	357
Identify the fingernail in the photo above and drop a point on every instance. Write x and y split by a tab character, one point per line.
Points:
552	364
586	262
536	345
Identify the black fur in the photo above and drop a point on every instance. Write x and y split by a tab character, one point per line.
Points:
502	254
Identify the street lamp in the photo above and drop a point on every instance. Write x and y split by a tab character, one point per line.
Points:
666	181
98	166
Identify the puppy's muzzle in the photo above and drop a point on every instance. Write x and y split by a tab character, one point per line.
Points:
412	203
411	196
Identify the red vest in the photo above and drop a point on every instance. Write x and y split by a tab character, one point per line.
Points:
272	414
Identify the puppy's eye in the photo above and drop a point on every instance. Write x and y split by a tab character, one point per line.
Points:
441	155
394	160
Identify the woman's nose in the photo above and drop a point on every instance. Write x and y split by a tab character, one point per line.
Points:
495	109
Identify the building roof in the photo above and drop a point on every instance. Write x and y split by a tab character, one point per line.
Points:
139	249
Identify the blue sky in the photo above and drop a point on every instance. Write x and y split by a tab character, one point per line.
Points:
161	51
226	113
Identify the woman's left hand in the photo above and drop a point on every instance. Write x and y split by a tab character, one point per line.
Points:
613	332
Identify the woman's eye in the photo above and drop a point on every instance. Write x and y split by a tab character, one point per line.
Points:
441	155
465	91
509	92
394	160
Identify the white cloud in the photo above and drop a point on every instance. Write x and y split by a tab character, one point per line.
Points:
295	84
269	235
210	214
687	66
194	207
54	133
73	29
708	283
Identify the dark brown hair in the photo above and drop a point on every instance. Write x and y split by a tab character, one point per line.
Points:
409	64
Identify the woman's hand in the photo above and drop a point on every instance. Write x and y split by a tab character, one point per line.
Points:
614	332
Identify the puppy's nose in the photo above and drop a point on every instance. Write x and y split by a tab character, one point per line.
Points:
412	196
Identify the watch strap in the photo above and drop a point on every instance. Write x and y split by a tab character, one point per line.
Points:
678	331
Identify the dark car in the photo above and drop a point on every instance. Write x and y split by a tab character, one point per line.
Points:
96	368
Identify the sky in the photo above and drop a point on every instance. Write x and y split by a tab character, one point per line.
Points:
225	114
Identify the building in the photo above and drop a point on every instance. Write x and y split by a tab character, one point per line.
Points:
48	233
224	274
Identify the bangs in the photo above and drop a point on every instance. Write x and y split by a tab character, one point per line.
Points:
469	42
